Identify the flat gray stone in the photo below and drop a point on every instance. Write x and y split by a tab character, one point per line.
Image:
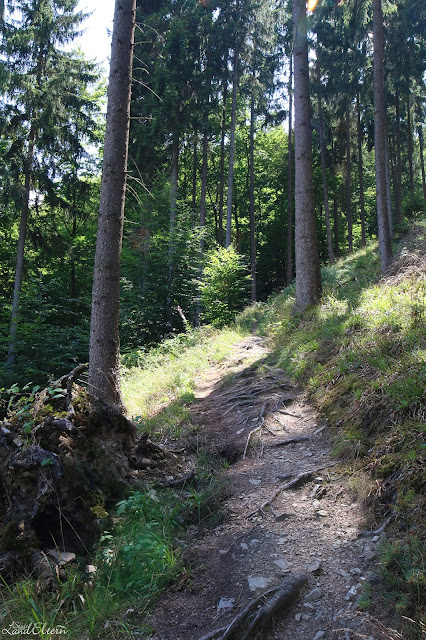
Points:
225	604
282	564
315	594
258	582
314	567
319	635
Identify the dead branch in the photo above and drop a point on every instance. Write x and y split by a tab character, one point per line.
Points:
248	439
280	422
283	443
288	413
261	421
261	619
68	380
73	375
367	534
180	482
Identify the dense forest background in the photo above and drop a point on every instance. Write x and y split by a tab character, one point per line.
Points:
209	208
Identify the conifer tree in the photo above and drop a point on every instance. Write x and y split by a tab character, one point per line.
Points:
308	274
104	354
46	108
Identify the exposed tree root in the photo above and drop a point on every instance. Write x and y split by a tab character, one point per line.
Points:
298	481
283	443
248	621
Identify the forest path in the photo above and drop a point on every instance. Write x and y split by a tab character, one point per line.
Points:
312	529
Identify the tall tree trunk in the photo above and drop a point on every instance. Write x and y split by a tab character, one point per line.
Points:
173	211
388	187
398	191
228	239
410	147
323	168
385	246
11	356
360	172
194	178
422	160
290	186
308	274
251	197
73	285
104	351
222	163
348	176
202	220
336	221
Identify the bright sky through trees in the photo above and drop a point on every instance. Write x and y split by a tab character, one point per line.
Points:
96	40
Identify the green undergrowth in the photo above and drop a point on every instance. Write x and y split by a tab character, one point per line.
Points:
159	384
361	353
140	553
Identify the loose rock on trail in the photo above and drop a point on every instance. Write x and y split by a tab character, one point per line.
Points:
287	512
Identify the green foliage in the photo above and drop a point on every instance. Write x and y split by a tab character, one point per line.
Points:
224	287
413	205
24	406
140	557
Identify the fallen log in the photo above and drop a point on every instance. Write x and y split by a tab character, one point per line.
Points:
249	621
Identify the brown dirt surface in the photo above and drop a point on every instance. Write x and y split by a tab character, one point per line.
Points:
312	529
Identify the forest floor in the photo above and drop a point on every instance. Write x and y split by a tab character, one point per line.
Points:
249	413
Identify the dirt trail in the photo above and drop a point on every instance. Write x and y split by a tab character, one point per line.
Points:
313	529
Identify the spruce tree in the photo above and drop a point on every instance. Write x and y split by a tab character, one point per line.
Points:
46	108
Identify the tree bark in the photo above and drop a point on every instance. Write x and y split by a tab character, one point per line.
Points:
308	273
202	220
360	172
290	190
194	178
410	147
104	351
172	227
422	160
11	356
323	168
251	191
385	246
388	186
228	239
398	192
222	164
336	222
348	176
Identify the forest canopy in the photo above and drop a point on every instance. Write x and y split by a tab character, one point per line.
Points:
210	165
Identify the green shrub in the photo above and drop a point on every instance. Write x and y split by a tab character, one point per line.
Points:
224	288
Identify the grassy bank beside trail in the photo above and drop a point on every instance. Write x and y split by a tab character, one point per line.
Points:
164	377
361	353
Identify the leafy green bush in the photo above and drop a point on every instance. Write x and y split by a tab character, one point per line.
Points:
224	288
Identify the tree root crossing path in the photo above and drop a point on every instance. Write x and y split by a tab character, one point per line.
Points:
288	557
